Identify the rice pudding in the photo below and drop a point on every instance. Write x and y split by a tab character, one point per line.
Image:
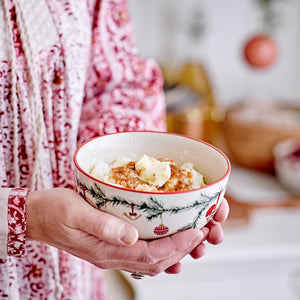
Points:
149	174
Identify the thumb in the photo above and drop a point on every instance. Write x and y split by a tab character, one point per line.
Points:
105	226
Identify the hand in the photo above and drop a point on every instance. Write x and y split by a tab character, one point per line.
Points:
61	218
212	231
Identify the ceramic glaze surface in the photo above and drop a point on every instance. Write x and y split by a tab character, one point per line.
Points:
154	214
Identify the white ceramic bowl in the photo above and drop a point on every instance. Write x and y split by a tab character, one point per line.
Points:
287	164
154	214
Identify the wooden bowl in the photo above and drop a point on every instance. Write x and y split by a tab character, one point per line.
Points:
250	139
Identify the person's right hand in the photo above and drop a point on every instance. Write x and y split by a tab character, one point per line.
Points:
61	218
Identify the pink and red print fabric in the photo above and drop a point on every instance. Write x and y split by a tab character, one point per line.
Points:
92	82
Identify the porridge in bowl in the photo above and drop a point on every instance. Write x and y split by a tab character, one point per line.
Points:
149	174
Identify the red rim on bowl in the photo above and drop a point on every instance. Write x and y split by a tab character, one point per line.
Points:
146	192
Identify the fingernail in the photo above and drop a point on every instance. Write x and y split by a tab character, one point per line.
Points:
128	234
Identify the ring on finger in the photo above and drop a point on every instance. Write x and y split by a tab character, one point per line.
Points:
137	275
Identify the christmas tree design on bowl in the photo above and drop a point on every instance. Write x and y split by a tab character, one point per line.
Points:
154	214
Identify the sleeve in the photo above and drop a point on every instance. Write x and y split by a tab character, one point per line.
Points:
123	91
12	221
4	193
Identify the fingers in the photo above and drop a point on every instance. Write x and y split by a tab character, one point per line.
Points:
198	252
223	211
105	226
154	251
173	263
153	257
178	242
148	257
216	234
174	269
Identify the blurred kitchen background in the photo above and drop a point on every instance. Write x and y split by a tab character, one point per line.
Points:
232	78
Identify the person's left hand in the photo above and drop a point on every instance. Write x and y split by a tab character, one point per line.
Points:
214	235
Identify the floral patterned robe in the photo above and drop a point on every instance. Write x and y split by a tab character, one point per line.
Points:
92	82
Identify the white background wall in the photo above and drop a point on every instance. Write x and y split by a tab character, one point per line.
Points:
228	25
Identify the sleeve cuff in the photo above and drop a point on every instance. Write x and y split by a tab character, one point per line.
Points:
4	193
16	235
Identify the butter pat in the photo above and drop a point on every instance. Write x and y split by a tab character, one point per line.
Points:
153	171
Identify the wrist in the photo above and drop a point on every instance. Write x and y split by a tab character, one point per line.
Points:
32	216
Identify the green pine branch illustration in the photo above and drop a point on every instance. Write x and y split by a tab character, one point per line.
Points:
206	203
153	208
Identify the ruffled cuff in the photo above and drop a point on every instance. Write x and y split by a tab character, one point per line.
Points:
16	236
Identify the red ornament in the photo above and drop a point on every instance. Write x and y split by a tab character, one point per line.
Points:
161	229
260	51
213	209
210	213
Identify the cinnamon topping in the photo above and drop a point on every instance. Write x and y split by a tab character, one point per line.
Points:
182	178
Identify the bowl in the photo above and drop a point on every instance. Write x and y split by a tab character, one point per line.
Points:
251	130
287	164
154	214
